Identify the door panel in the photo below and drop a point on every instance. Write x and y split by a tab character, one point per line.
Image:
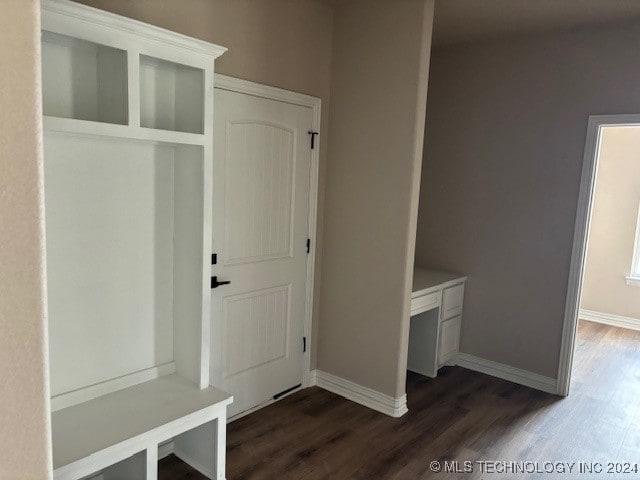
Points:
261	173
260	321
258	193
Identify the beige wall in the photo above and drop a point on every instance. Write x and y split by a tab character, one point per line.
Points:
24	419
506	128
378	89
284	43
613	226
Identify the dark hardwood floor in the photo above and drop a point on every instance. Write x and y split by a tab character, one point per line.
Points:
461	415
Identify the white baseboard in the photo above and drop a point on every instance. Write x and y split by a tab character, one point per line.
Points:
313	378
506	372
380	402
610	319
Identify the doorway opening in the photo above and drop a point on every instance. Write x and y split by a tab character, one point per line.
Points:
602	314
265	180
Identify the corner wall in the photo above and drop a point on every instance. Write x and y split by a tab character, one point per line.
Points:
24	390
505	135
378	93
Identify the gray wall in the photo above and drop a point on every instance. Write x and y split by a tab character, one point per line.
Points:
506	128
283	43
24	389
378	95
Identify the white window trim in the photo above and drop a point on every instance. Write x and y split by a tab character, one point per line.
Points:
634	277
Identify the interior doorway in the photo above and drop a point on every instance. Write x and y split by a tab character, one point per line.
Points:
602	297
264	209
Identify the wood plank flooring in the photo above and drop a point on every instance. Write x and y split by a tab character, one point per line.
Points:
461	415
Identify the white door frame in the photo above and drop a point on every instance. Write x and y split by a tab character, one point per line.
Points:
232	84
581	237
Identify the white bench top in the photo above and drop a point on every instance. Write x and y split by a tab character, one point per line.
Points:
425	279
87	428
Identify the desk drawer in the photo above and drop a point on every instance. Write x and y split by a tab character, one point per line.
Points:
425	303
452	301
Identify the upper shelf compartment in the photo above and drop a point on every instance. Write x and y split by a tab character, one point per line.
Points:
83	80
171	96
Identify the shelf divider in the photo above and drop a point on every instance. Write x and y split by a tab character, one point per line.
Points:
133	60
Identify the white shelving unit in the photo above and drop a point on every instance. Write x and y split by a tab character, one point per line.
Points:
128	112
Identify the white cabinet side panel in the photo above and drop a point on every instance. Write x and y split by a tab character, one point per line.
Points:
188	271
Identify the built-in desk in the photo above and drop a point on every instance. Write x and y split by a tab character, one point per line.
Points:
436	316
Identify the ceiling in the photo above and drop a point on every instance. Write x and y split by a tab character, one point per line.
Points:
459	21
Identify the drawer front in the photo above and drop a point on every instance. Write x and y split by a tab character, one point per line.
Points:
452	301
449	339
424	303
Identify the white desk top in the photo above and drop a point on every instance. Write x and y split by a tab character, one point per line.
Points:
90	427
425	280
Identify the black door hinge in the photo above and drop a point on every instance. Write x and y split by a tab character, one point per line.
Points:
304	344
214	258
313	138
308	245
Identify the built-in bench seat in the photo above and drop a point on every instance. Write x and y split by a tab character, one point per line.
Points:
117	435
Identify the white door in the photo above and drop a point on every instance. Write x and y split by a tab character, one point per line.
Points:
261	173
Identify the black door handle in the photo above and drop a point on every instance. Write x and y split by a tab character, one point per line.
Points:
215	283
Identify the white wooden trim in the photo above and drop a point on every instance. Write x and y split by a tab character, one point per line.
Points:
580	238
207	225
133	88
380	402
85	394
633	279
224	82
311	257
506	372
610	319
151	460
94	16
72	126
